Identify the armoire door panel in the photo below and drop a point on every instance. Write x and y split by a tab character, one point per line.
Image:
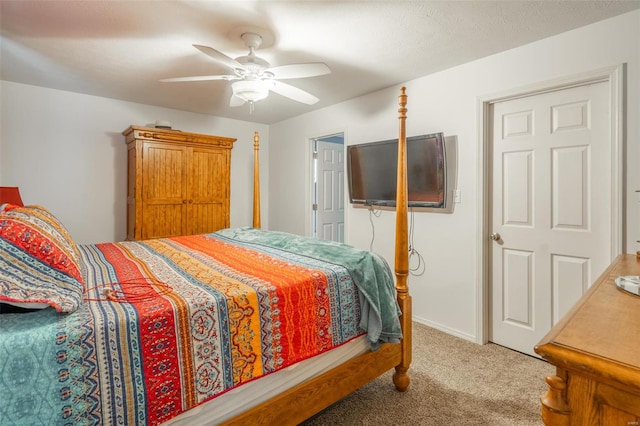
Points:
207	175
162	221
205	218
164	177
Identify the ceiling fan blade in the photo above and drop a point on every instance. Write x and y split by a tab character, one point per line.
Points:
201	78
299	70
219	56
236	101
294	93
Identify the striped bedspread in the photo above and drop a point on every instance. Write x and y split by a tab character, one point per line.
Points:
170	323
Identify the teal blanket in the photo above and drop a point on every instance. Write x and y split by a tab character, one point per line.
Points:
369	271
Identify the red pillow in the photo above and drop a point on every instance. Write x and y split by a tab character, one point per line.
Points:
39	262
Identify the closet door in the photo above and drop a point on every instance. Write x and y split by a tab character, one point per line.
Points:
164	185
208	190
552	201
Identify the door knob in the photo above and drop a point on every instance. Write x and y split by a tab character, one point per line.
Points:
495	236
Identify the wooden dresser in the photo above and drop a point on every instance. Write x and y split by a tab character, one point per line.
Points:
177	182
596	351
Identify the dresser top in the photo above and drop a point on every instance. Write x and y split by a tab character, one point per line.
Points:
601	333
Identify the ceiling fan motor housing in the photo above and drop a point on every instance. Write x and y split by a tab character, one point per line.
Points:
253	65
253	77
251	40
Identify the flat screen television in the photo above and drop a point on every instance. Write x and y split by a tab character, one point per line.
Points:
372	169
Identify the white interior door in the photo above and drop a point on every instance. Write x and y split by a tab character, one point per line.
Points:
329	205
551	208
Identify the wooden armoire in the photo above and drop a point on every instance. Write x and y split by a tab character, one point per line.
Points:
177	182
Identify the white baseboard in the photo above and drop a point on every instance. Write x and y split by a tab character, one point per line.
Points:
445	329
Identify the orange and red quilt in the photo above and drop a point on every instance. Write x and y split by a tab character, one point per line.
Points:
168	324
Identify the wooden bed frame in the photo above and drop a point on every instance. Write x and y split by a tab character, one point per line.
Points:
303	401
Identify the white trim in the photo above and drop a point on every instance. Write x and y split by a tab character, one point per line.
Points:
309	168
614	75
443	328
618	205
308	197
482	272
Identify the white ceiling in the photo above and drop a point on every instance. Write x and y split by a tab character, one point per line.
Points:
120	49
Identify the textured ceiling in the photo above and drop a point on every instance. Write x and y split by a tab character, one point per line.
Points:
121	49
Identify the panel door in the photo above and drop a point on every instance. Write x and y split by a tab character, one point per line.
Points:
551	208
330	199
164	187
208	193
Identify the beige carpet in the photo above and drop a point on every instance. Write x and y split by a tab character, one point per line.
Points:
453	382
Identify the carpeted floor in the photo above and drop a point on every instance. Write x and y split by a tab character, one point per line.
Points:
453	382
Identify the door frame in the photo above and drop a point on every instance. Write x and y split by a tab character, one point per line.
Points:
615	77
309	178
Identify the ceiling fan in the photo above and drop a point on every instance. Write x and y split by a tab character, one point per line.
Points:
254	77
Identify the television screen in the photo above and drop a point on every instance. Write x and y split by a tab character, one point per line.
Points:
372	170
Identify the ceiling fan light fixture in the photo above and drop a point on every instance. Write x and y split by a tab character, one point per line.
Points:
250	90
253	76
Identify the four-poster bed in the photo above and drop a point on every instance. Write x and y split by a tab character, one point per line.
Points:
311	397
241	326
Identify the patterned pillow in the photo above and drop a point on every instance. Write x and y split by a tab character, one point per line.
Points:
39	262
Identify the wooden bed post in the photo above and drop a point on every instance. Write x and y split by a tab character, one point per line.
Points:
310	397
256	181
400	377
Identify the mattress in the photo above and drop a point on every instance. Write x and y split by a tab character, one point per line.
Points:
254	393
168	328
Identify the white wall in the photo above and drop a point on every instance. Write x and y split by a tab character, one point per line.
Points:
445	296
66	152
